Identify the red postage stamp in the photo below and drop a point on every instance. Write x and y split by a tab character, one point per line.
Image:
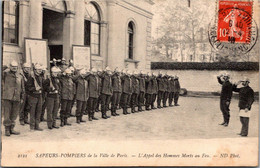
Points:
234	21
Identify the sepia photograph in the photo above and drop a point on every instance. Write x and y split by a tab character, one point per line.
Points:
130	83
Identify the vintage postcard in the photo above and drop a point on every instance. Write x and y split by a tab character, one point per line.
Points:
130	83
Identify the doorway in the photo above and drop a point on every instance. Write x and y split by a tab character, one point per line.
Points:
53	32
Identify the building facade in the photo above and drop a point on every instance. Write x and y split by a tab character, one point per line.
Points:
117	31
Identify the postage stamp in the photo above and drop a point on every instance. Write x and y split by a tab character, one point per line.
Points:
233	30
235	21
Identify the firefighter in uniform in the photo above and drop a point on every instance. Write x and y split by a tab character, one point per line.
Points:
74	73
92	79
82	94
126	91
176	90
116	84
13	93
166	89
246	99
148	91
225	97
161	89
154	90
34	88
52	87
142	91
171	90
106	91
98	104
67	95
135	91
23	116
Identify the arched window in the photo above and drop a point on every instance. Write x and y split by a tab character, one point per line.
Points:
130	40
92	27
57	5
11	21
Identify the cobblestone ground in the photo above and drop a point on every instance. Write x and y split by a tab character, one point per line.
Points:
195	118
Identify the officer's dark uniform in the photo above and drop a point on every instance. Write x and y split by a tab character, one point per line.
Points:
44	98
82	95
142	92
161	89
166	90
93	95
74	75
106	93
225	99
25	109
13	93
176	90
148	92
67	95
171	91
135	93
116	84
53	100
126	92
98	101
35	101
246	99
154	91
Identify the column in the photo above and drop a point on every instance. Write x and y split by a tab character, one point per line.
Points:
68	28
79	22
109	59
35	17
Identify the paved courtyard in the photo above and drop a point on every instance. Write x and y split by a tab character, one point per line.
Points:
195	118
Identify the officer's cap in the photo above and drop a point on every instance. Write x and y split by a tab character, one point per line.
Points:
82	71
14	64
107	69
93	70
27	65
246	79
68	71
55	69
38	67
72	69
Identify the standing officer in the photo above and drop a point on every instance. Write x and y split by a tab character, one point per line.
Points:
126	91
176	90
82	94
122	74
73	70
171	90
246	99
154	90
225	97
23	117
13	93
52	87
161	89
98	74
67	95
92	79
149	91
116	84
166	89
142	90
106	91
44	94
135	91
34	89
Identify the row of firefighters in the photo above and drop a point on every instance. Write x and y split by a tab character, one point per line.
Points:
34	90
